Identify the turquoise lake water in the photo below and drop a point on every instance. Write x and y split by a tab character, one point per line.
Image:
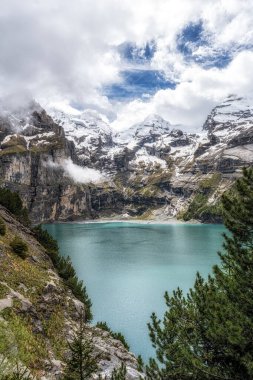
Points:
127	268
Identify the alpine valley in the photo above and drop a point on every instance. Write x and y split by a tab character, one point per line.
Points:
69	167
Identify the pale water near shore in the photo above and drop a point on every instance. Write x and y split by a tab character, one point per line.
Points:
128	266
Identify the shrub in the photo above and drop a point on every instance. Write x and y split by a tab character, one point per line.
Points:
2	227
13	203
115	335
19	247
120	373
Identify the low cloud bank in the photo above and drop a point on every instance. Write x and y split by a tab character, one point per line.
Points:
78	173
82	175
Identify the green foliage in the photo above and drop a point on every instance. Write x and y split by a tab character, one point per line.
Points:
195	206
83	362
19	247
2	227
208	333
18	344
120	373
211	183
18	373
48	242
199	207
13	203
140	363
115	335
64	268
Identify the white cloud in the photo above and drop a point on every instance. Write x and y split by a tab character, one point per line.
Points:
82	175
194	97
64	52
78	173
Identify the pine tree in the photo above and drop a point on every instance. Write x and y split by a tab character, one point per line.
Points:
208	334
120	373
83	362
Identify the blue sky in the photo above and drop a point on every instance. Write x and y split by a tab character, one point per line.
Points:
140	81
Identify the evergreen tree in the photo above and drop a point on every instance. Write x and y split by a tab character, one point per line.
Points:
82	363
208	334
120	373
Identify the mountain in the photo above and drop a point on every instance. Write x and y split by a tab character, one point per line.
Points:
150	170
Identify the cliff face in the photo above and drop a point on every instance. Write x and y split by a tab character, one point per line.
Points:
151	170
38	313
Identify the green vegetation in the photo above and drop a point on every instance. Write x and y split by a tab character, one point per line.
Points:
208	333
19	247
140	363
2	227
211	183
18	344
120	373
64	268
115	335
18	373
13	203
199	207
56	323
82	363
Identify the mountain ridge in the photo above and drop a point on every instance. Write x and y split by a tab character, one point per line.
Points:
151	170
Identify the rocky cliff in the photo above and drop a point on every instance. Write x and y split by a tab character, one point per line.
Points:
151	170
38	313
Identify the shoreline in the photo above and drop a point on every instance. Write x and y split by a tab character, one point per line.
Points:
171	221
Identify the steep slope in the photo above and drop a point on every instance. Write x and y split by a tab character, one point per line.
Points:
38	313
36	161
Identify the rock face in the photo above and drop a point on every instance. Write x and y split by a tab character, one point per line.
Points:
38	313
153	169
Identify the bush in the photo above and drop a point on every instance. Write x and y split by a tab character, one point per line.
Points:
2	227
19	247
13	203
115	335
120	373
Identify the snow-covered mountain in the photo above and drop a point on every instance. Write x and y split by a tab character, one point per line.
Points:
148	167
147	143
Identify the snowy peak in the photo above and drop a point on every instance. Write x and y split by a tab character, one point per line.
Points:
156	121
88	131
19	116
92	120
152	127
234	110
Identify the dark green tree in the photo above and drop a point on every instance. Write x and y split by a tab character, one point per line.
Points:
140	363
208	334
119	373
83	362
116	335
13	203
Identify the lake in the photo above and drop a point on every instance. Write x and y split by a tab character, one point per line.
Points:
127	267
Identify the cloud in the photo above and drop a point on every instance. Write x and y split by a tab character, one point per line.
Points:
78	173
198	91
67	52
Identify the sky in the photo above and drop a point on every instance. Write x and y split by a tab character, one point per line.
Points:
127	59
